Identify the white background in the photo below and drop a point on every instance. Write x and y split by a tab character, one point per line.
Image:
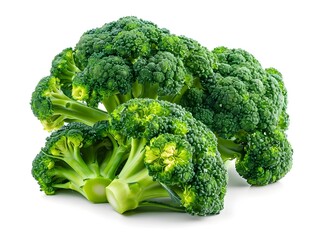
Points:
282	34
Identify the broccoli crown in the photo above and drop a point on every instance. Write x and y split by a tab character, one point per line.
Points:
267	158
63	65
103	77
41	104
146	149
54	108
72	158
242	96
180	152
163	70
60	161
151	63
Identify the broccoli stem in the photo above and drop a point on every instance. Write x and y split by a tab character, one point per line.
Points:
150	91
75	161
94	189
76	111
135	161
124	98
134	185
229	150
127	194
137	89
75	180
110	166
177	98
111	102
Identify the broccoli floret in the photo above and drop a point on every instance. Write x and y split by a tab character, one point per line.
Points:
157	64
107	80
54	108
173	156
63	66
242	95
261	158
147	153
238	103
80	158
160	75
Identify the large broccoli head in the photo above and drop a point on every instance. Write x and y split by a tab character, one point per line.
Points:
179	152
163	64
241	97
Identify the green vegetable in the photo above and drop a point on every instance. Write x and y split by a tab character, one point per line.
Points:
54	108
147	153
245	106
142	117
133	58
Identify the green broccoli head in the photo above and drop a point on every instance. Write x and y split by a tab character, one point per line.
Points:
164	65
128	37
75	158
161	74
205	195
63	66
172	156
241	95
267	158
198	60
47	91
54	108
44	172
103	77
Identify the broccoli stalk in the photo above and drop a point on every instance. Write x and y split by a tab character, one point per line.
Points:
134	186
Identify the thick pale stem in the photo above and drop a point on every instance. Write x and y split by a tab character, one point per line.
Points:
76	111
229	150
135	161
127	194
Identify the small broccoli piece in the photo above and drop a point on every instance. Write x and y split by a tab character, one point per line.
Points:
198	59
173	163
268	158
80	158
261	158
241	95
160	75
107	80
63	66
239	102
53	108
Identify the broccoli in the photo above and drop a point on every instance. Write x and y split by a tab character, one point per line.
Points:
242	96
54	108
245	106
125	59
134	58
78	157
261	158
146	153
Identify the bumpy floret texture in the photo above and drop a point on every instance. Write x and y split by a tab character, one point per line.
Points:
268	158
241	96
